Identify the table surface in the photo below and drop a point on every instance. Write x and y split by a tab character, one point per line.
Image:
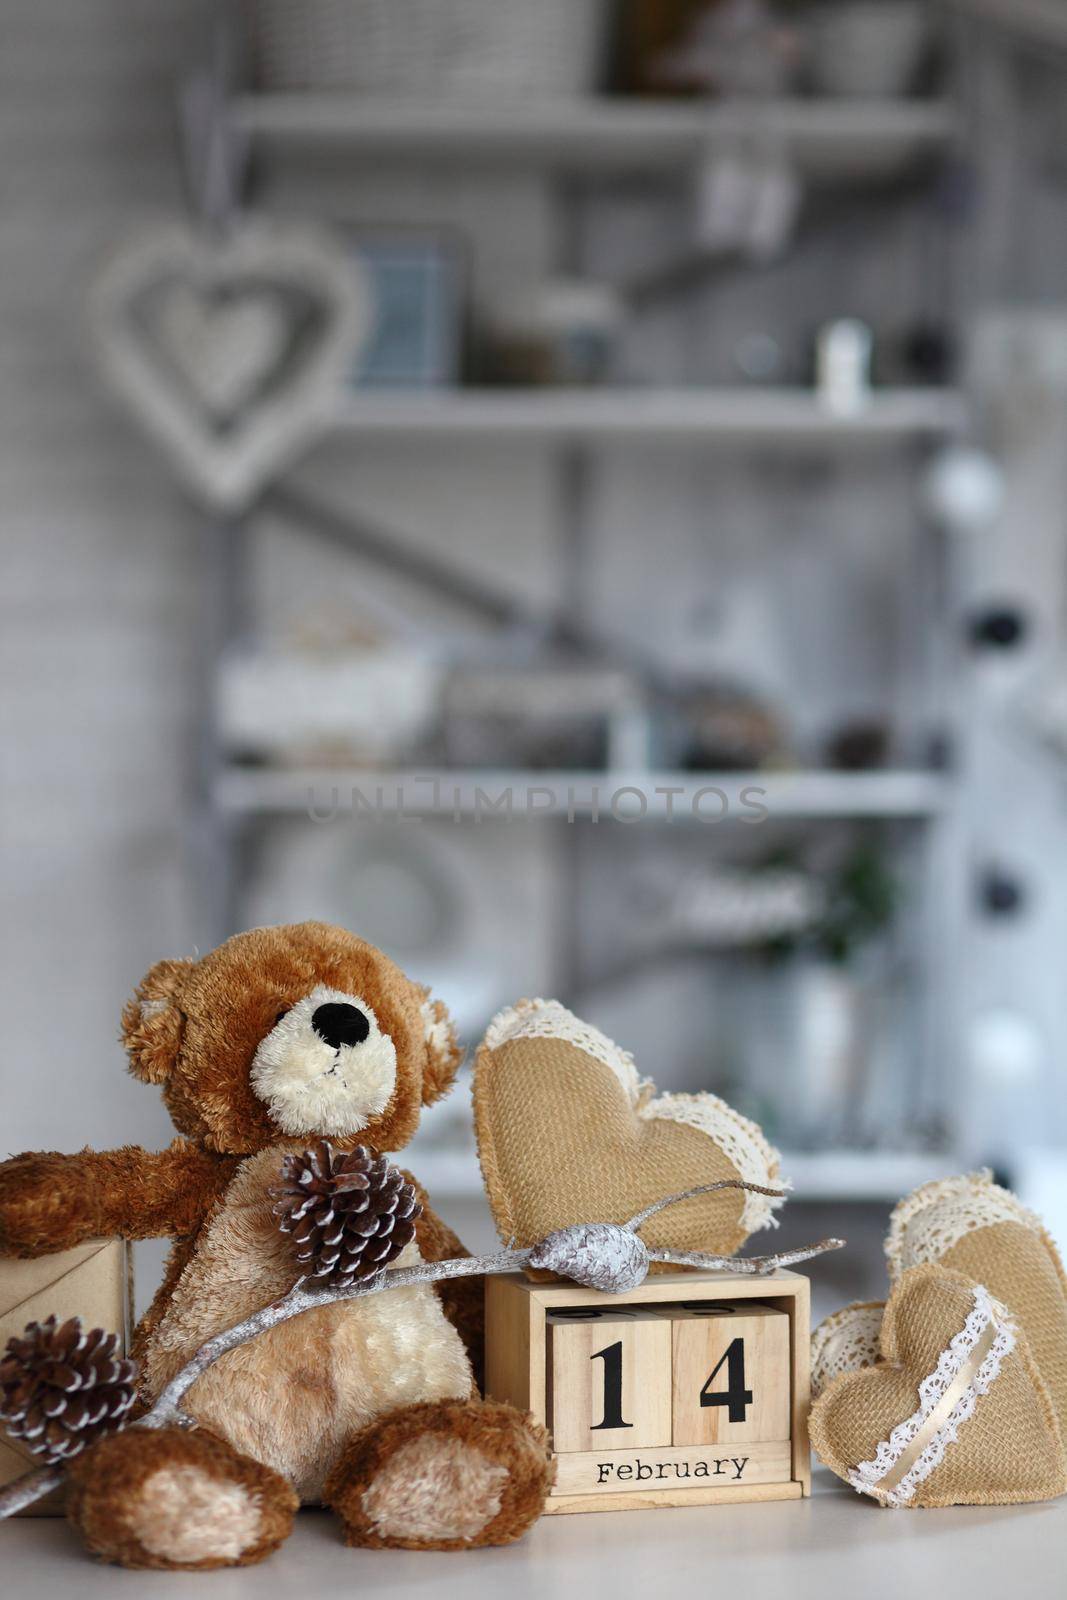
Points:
835	1544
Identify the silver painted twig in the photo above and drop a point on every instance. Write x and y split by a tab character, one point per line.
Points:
747	1266
703	1188
166	1409
30	1487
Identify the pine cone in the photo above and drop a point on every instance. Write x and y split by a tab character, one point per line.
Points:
61	1387
349	1215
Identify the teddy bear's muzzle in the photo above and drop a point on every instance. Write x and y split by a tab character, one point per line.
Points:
326	1065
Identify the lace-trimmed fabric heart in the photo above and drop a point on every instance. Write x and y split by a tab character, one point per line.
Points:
845	1341
972	1225
956	1411
567	1133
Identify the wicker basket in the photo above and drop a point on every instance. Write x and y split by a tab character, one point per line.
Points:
445	49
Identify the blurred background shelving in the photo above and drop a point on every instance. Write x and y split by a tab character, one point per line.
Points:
835	1176
664	795
634	198
703	433
702	415
830	139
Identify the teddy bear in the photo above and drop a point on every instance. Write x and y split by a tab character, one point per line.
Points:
280	1036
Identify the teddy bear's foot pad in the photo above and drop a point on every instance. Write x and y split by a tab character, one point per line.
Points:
172	1499
435	1488
446	1475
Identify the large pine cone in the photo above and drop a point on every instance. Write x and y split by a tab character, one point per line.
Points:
62	1387
348	1215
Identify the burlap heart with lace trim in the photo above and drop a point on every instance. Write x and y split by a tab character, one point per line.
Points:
972	1225
568	1132
845	1341
955	1412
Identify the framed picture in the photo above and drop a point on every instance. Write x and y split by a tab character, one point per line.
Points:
416	282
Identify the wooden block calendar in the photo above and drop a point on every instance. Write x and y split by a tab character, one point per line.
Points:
689	1390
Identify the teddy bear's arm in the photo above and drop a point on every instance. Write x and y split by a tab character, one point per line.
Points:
51	1202
463	1299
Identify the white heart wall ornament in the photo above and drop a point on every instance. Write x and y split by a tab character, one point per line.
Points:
223	351
231	352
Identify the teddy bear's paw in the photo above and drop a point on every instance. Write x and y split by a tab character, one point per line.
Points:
167	1498
447	1475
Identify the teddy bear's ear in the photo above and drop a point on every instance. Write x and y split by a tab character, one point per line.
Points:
443	1051
152	1021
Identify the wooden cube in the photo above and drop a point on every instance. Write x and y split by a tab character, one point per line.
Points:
609	1378
92	1281
730	1373
602	1469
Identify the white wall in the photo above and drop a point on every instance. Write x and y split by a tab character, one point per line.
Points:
97	577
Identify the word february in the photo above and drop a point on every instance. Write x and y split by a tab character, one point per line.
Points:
673	1469
658	1471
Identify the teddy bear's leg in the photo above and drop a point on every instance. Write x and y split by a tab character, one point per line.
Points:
444	1475
178	1499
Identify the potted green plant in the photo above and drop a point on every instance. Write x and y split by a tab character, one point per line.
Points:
808	1032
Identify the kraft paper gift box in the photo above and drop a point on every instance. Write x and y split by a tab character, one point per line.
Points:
93	1282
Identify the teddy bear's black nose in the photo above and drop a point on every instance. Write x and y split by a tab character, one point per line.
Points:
340	1024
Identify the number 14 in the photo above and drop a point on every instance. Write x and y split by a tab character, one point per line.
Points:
735	1396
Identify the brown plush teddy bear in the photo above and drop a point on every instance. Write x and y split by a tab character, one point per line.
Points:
279	1036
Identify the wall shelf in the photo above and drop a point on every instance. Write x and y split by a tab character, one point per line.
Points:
841	1176
765	416
830	140
788	795
864	1175
552	155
